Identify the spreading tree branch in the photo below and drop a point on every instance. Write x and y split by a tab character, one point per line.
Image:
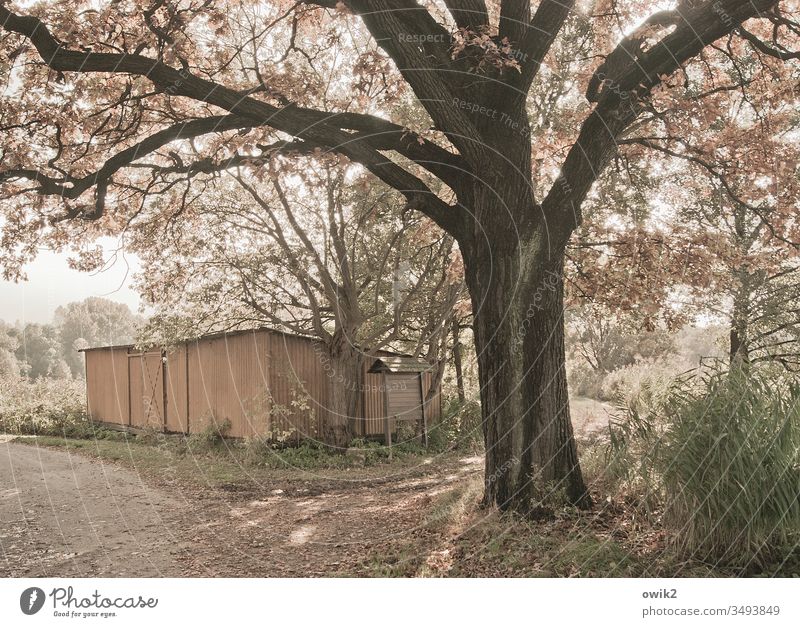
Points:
469	14
624	90
314	127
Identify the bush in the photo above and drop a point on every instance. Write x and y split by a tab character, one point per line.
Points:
44	407
459	427
635	434
212	436
308	455
627	384
583	380
732	468
661	359
722	462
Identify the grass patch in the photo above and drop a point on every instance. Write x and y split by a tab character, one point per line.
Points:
450	509
466	540
716	463
167	461
211	460
505	545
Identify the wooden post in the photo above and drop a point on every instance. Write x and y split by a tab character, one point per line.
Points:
129	387
164	387
86	384
187	388
363	412
424	416
387	430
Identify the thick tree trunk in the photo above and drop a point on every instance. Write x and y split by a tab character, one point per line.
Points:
739	353
345	374
457	362
516	285
555	456
530	448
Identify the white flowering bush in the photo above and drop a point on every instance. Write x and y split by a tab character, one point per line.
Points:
43	406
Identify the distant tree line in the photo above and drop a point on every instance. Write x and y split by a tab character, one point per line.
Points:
51	350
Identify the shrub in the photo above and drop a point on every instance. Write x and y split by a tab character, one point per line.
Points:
44	406
584	380
211	436
307	455
731	468
635	434
439	438
459	427
311	455
628	383
373	452
721	461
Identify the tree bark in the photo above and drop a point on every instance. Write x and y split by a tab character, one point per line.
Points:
743	282
740	317
457	362
555	456
516	283
345	374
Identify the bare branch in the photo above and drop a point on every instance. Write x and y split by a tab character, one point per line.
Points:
767	49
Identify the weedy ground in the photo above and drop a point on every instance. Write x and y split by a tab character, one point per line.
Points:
248	511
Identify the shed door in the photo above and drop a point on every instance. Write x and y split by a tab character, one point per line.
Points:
405	399
147	390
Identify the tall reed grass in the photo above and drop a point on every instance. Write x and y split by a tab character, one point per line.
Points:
721	462
731	468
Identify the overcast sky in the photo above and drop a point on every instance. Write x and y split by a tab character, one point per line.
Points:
52	283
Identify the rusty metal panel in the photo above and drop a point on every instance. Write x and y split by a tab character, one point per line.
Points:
433	409
228	380
373	404
405	396
177	391
146	390
107	385
298	386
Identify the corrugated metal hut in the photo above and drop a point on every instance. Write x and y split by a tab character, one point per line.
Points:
266	383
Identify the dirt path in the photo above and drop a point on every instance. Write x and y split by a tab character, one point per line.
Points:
317	525
63	514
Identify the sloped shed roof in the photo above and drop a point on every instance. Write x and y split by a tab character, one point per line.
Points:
399	364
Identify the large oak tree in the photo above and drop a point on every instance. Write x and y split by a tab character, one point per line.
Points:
112	106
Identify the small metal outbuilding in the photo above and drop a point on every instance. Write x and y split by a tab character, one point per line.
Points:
265	383
404	380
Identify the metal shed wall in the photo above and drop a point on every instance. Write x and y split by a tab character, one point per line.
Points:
299	387
373	404
177	390
433	409
107	385
146	381
405	396
373	424
228	380
266	383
